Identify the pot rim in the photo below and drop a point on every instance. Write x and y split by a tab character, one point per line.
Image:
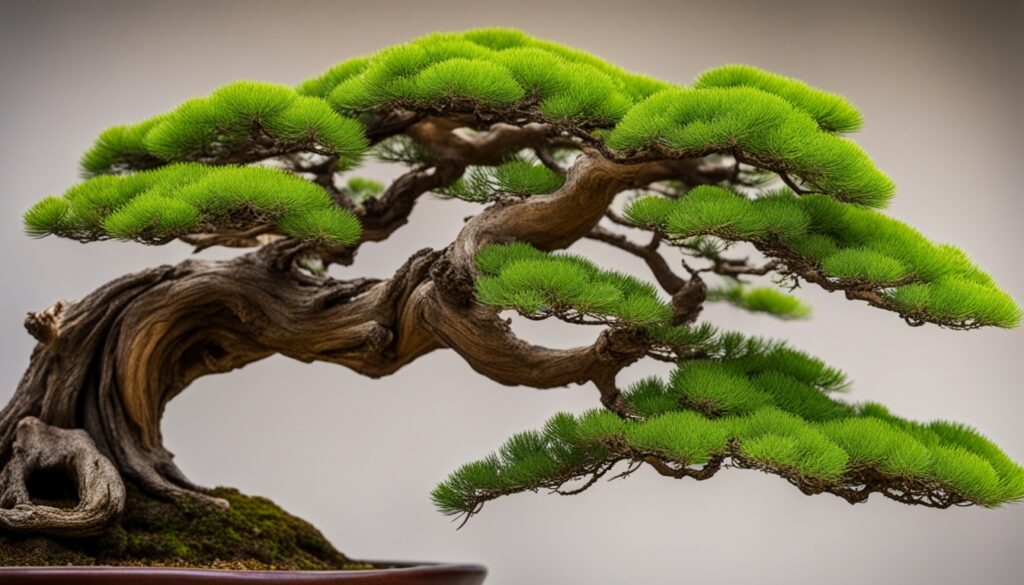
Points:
397	568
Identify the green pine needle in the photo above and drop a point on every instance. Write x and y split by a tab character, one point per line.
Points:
767	420
46	216
233	123
852	245
519	277
832	112
519	176
362	189
491	68
766	130
159	205
761	300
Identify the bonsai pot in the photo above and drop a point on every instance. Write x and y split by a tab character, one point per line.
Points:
397	574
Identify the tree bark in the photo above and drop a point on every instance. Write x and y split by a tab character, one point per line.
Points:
41	447
109	363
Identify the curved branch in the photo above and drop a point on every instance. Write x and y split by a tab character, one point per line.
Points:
452	150
446	139
381	216
548	222
489	346
663	273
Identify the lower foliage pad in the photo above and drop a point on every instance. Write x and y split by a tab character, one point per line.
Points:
766	410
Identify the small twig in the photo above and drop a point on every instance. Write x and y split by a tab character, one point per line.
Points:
792	185
545	157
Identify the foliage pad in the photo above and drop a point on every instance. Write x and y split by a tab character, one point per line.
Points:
843	246
186	198
239	122
755	413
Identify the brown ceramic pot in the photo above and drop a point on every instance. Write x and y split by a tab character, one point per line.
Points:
401	574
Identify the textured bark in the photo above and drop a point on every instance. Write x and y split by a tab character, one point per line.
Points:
41	447
548	222
107	365
117	357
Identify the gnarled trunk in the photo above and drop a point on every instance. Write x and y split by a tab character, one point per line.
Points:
109	363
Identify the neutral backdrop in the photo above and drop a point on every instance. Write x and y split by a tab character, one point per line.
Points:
940	87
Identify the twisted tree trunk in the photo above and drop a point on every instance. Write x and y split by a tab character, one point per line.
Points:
109	363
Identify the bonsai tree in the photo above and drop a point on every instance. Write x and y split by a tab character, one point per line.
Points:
743	176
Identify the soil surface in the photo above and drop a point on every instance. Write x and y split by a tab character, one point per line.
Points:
253	533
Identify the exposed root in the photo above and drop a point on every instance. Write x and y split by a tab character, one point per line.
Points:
39	447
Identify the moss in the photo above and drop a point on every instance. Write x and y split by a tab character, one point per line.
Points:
253	533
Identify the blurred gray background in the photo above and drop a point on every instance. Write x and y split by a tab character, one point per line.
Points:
940	87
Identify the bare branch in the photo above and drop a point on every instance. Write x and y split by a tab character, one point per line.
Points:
740	267
668	279
549	161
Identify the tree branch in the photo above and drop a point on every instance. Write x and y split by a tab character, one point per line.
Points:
668	279
548	222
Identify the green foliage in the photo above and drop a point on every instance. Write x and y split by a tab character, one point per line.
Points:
488	68
872	442
781	377
48	215
832	112
119	148
685	437
650	212
759	356
719	212
764	129
518	176
805	453
755	402
765	418
752	401
761	300
797	396
958	299
848	244
151	216
362	189
328	225
491	259
715	389
483	82
520	277
526	177
775	122
864	264
751	355
322	84
517	276
233	123
161	204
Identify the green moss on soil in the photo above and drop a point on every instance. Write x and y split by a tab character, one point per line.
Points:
254	533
